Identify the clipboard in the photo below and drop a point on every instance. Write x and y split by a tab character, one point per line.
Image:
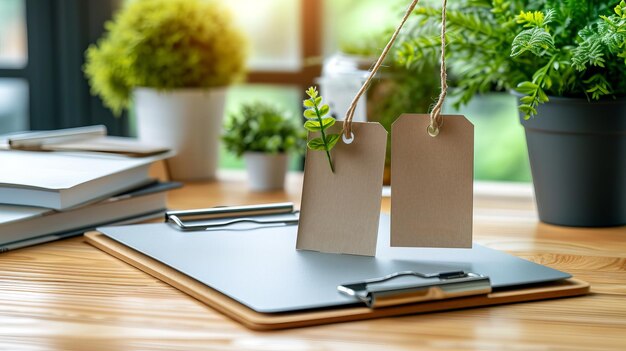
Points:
359	299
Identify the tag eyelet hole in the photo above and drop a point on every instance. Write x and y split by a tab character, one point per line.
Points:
432	130
347	141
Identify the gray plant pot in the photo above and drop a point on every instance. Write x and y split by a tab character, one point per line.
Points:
577	152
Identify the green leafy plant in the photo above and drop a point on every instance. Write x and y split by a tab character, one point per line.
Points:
262	127
568	48
164	44
318	120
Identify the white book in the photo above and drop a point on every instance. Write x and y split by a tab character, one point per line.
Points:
18	223
61	180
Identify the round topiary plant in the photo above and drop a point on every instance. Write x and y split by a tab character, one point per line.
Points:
165	45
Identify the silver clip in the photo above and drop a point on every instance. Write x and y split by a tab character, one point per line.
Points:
188	220
437	286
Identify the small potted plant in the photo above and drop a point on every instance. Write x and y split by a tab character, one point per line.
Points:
566	62
264	135
172	59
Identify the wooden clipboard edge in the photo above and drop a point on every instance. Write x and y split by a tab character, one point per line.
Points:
263	322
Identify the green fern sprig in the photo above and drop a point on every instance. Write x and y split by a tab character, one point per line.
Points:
602	39
488	27
318	120
534	90
536	40
599	40
598	86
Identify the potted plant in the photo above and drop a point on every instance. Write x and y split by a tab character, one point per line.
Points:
173	59
566	62
264	135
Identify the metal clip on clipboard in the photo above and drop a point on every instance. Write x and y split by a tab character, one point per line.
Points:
266	214
439	286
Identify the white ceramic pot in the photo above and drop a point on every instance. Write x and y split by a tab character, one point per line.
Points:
188	121
266	171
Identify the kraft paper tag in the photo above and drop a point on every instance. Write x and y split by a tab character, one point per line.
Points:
432	182
339	212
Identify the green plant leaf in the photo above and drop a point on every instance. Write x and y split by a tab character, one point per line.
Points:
310	114
526	99
526	87
535	40
316	144
308	103
530	19
327	122
548	82
589	53
528	111
312	92
314	126
332	140
324	110
542	97
620	9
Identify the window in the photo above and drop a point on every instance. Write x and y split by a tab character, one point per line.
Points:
285	56
41	57
273	29
13	59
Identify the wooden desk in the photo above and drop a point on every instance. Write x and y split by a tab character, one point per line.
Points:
68	295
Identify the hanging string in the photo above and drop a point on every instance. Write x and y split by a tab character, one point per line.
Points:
347	122
436	120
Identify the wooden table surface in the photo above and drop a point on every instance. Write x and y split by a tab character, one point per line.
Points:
68	295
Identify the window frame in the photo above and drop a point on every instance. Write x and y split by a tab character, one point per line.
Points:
58	33
310	48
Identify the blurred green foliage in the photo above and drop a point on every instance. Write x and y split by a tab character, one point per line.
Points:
550	47
262	127
287	97
499	147
165	44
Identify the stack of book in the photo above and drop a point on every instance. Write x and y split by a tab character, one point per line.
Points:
46	196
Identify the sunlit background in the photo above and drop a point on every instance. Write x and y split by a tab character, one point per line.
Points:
279	59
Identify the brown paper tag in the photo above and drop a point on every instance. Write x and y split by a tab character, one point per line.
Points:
432	182
339	212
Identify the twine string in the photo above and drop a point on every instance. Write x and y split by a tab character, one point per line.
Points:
436	120
347	122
